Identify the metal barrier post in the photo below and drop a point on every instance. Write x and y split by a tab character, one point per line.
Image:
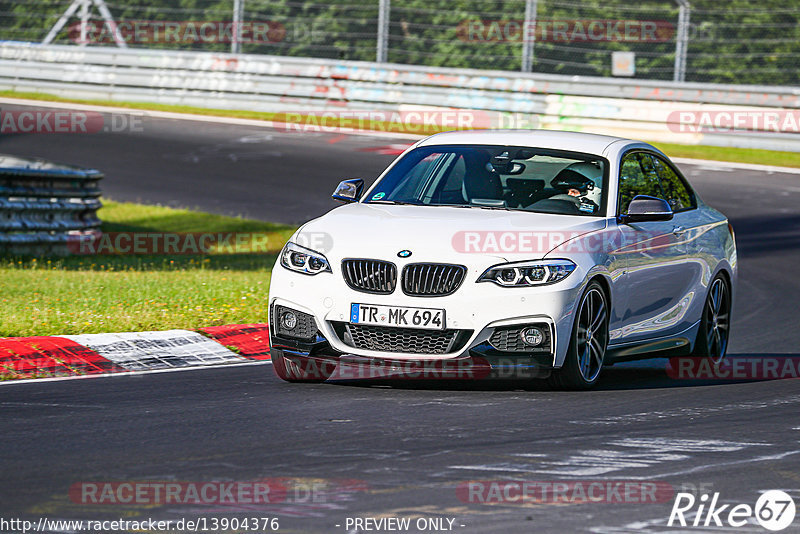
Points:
528	39
383	31
682	41
238	12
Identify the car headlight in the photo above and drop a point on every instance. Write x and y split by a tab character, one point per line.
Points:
302	260
528	273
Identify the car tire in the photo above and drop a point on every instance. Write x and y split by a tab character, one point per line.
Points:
588	343
309	370
715	323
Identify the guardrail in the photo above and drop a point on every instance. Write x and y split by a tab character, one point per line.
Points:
633	108
45	205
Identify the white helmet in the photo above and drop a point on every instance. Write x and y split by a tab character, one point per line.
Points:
593	173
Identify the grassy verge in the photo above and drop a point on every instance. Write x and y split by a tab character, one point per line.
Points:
302	121
118	293
738	155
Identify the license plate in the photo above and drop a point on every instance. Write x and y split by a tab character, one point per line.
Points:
398	316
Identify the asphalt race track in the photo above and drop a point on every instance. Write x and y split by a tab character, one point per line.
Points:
280	176
407	445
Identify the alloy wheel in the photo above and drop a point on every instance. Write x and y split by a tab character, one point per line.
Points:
717	320
592	334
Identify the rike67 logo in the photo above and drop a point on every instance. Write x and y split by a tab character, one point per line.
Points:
774	510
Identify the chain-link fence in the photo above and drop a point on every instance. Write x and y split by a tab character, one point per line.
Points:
736	41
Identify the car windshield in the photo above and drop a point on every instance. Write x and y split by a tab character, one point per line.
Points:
497	177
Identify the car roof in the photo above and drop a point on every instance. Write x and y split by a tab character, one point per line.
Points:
550	139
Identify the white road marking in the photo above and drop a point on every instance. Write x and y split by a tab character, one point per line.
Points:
714	168
157	350
768	458
718	165
617	455
132	374
684	445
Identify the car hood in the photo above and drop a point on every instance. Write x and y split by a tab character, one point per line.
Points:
439	233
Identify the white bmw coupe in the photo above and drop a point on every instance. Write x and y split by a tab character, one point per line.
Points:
538	252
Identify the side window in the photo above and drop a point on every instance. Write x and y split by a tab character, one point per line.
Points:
409	185
423	175
633	181
679	196
449	190
456	177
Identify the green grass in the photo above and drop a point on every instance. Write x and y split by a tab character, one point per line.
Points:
301	120
118	293
739	155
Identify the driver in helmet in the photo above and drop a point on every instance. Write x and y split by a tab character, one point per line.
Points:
574	187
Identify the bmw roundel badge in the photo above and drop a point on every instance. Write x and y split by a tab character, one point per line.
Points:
404	254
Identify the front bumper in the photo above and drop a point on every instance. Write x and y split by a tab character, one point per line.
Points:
476	311
325	364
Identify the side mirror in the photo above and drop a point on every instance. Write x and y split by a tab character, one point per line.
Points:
348	190
644	208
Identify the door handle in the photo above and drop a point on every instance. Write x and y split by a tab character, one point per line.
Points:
678	230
